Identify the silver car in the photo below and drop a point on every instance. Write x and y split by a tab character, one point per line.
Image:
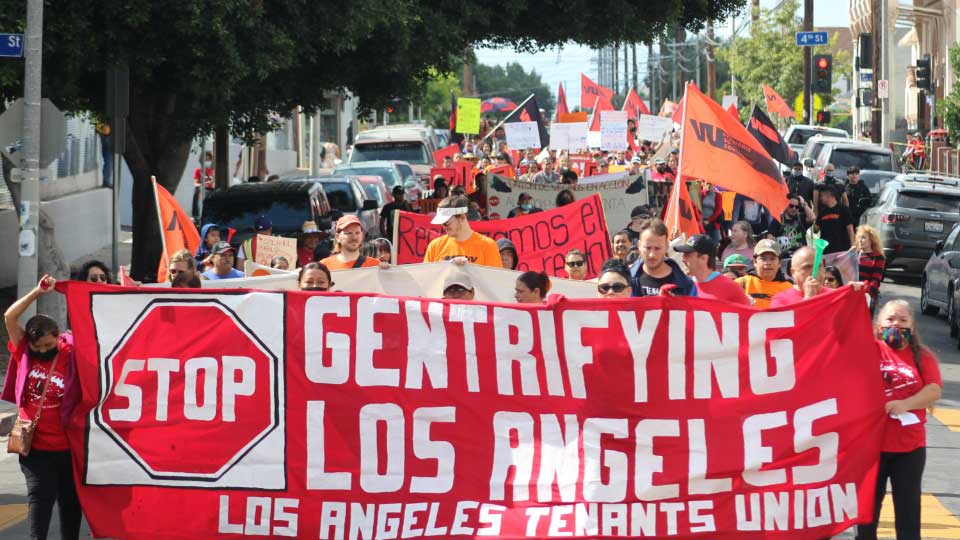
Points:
913	213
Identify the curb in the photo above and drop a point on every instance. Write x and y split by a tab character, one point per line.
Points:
6	422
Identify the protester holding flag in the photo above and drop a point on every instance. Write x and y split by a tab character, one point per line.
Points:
614	280
41	354
766	280
912	383
654	270
699	255
460	243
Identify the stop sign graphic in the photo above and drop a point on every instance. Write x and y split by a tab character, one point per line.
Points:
189	390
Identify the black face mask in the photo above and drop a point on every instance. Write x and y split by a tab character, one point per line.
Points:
633	129
321	289
46	355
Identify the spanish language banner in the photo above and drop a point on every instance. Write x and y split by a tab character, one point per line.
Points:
541	239
274	414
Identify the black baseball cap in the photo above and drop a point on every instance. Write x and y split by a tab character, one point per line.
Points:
699	243
643	210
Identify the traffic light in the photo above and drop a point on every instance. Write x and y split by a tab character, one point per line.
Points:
823	118
822	73
923	73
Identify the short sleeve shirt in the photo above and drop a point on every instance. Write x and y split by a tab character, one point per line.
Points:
478	249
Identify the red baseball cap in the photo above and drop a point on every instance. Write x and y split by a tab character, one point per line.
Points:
348	220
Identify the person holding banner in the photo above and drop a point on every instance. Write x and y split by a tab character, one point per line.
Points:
699	255
805	284
614	280
832	278
460	243
532	287
347	246
654	270
458	286
912	383
314	277
40	355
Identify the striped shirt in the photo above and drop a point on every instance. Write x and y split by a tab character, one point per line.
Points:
872	266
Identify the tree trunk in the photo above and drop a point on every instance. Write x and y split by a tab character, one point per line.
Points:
154	147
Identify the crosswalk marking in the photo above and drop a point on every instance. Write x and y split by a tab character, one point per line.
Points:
11	514
936	521
948	417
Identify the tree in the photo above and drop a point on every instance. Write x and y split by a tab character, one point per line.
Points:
436	98
514	83
950	104
196	65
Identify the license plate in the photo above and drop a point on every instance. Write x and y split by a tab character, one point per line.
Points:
933	226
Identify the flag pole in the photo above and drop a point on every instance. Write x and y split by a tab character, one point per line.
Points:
163	238
513	112
593	113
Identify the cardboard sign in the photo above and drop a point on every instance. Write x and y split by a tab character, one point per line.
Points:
568	136
652	128
269	247
522	134
613	130
542	239
468	115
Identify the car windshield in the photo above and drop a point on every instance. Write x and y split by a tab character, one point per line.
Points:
800	136
373	192
286	213
929	201
844	158
411	152
340	196
387	175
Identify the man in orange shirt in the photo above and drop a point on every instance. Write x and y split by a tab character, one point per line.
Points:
460	243
347	245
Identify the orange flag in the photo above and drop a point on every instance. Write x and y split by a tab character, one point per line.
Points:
634	105
590	91
561	103
716	148
680	215
776	104
599	105
176	229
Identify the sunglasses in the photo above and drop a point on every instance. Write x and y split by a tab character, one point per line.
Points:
793	206
830	280
97	278
604	288
575	264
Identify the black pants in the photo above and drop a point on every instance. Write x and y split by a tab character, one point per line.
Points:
50	479
905	471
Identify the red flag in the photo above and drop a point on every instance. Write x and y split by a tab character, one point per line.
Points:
599	105
590	91
176	229
681	215
716	148
561	103
634	105
776	104
732	109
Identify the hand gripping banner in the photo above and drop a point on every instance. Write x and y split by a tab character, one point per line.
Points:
285	414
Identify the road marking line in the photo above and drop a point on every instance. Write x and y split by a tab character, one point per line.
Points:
11	514
948	417
936	521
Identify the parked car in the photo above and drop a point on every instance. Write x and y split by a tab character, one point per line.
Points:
811	151
877	164
940	278
287	203
798	134
347	195
376	190
913	213
393	173
420	129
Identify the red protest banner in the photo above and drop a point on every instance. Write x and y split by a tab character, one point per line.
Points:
449	175
448	150
541	239
311	415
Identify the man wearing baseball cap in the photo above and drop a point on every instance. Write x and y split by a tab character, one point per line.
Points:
699	255
222	255
248	248
458	286
347	244
765	280
460	243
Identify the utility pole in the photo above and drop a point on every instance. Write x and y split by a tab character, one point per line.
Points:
807	62
661	80
30	187
653	77
711	67
884	71
879	36
468	89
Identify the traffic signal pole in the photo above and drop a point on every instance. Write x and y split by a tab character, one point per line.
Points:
807	64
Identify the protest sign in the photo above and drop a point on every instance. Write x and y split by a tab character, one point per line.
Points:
579	116
448	150
652	128
311	415
619	197
593	139
522	134
542	239
613	130
468	115
269	247
449	175
252	269
569	136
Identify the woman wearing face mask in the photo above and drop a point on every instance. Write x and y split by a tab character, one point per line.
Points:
315	277
614	280
41	355
912	383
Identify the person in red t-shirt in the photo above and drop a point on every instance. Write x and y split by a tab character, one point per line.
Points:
699	257
41	380
912	383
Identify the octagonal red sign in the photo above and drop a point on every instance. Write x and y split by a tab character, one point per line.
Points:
191	390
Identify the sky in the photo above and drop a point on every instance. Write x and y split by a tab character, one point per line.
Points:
564	65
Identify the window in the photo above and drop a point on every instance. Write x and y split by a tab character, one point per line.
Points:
287	213
929	201
843	158
341	196
951	242
411	152
387	175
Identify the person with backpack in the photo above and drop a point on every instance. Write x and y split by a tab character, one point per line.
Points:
347	246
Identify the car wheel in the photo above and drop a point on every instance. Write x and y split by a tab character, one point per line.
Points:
952	314
925	306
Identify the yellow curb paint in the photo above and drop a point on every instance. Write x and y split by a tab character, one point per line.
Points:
936	521
948	417
11	514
